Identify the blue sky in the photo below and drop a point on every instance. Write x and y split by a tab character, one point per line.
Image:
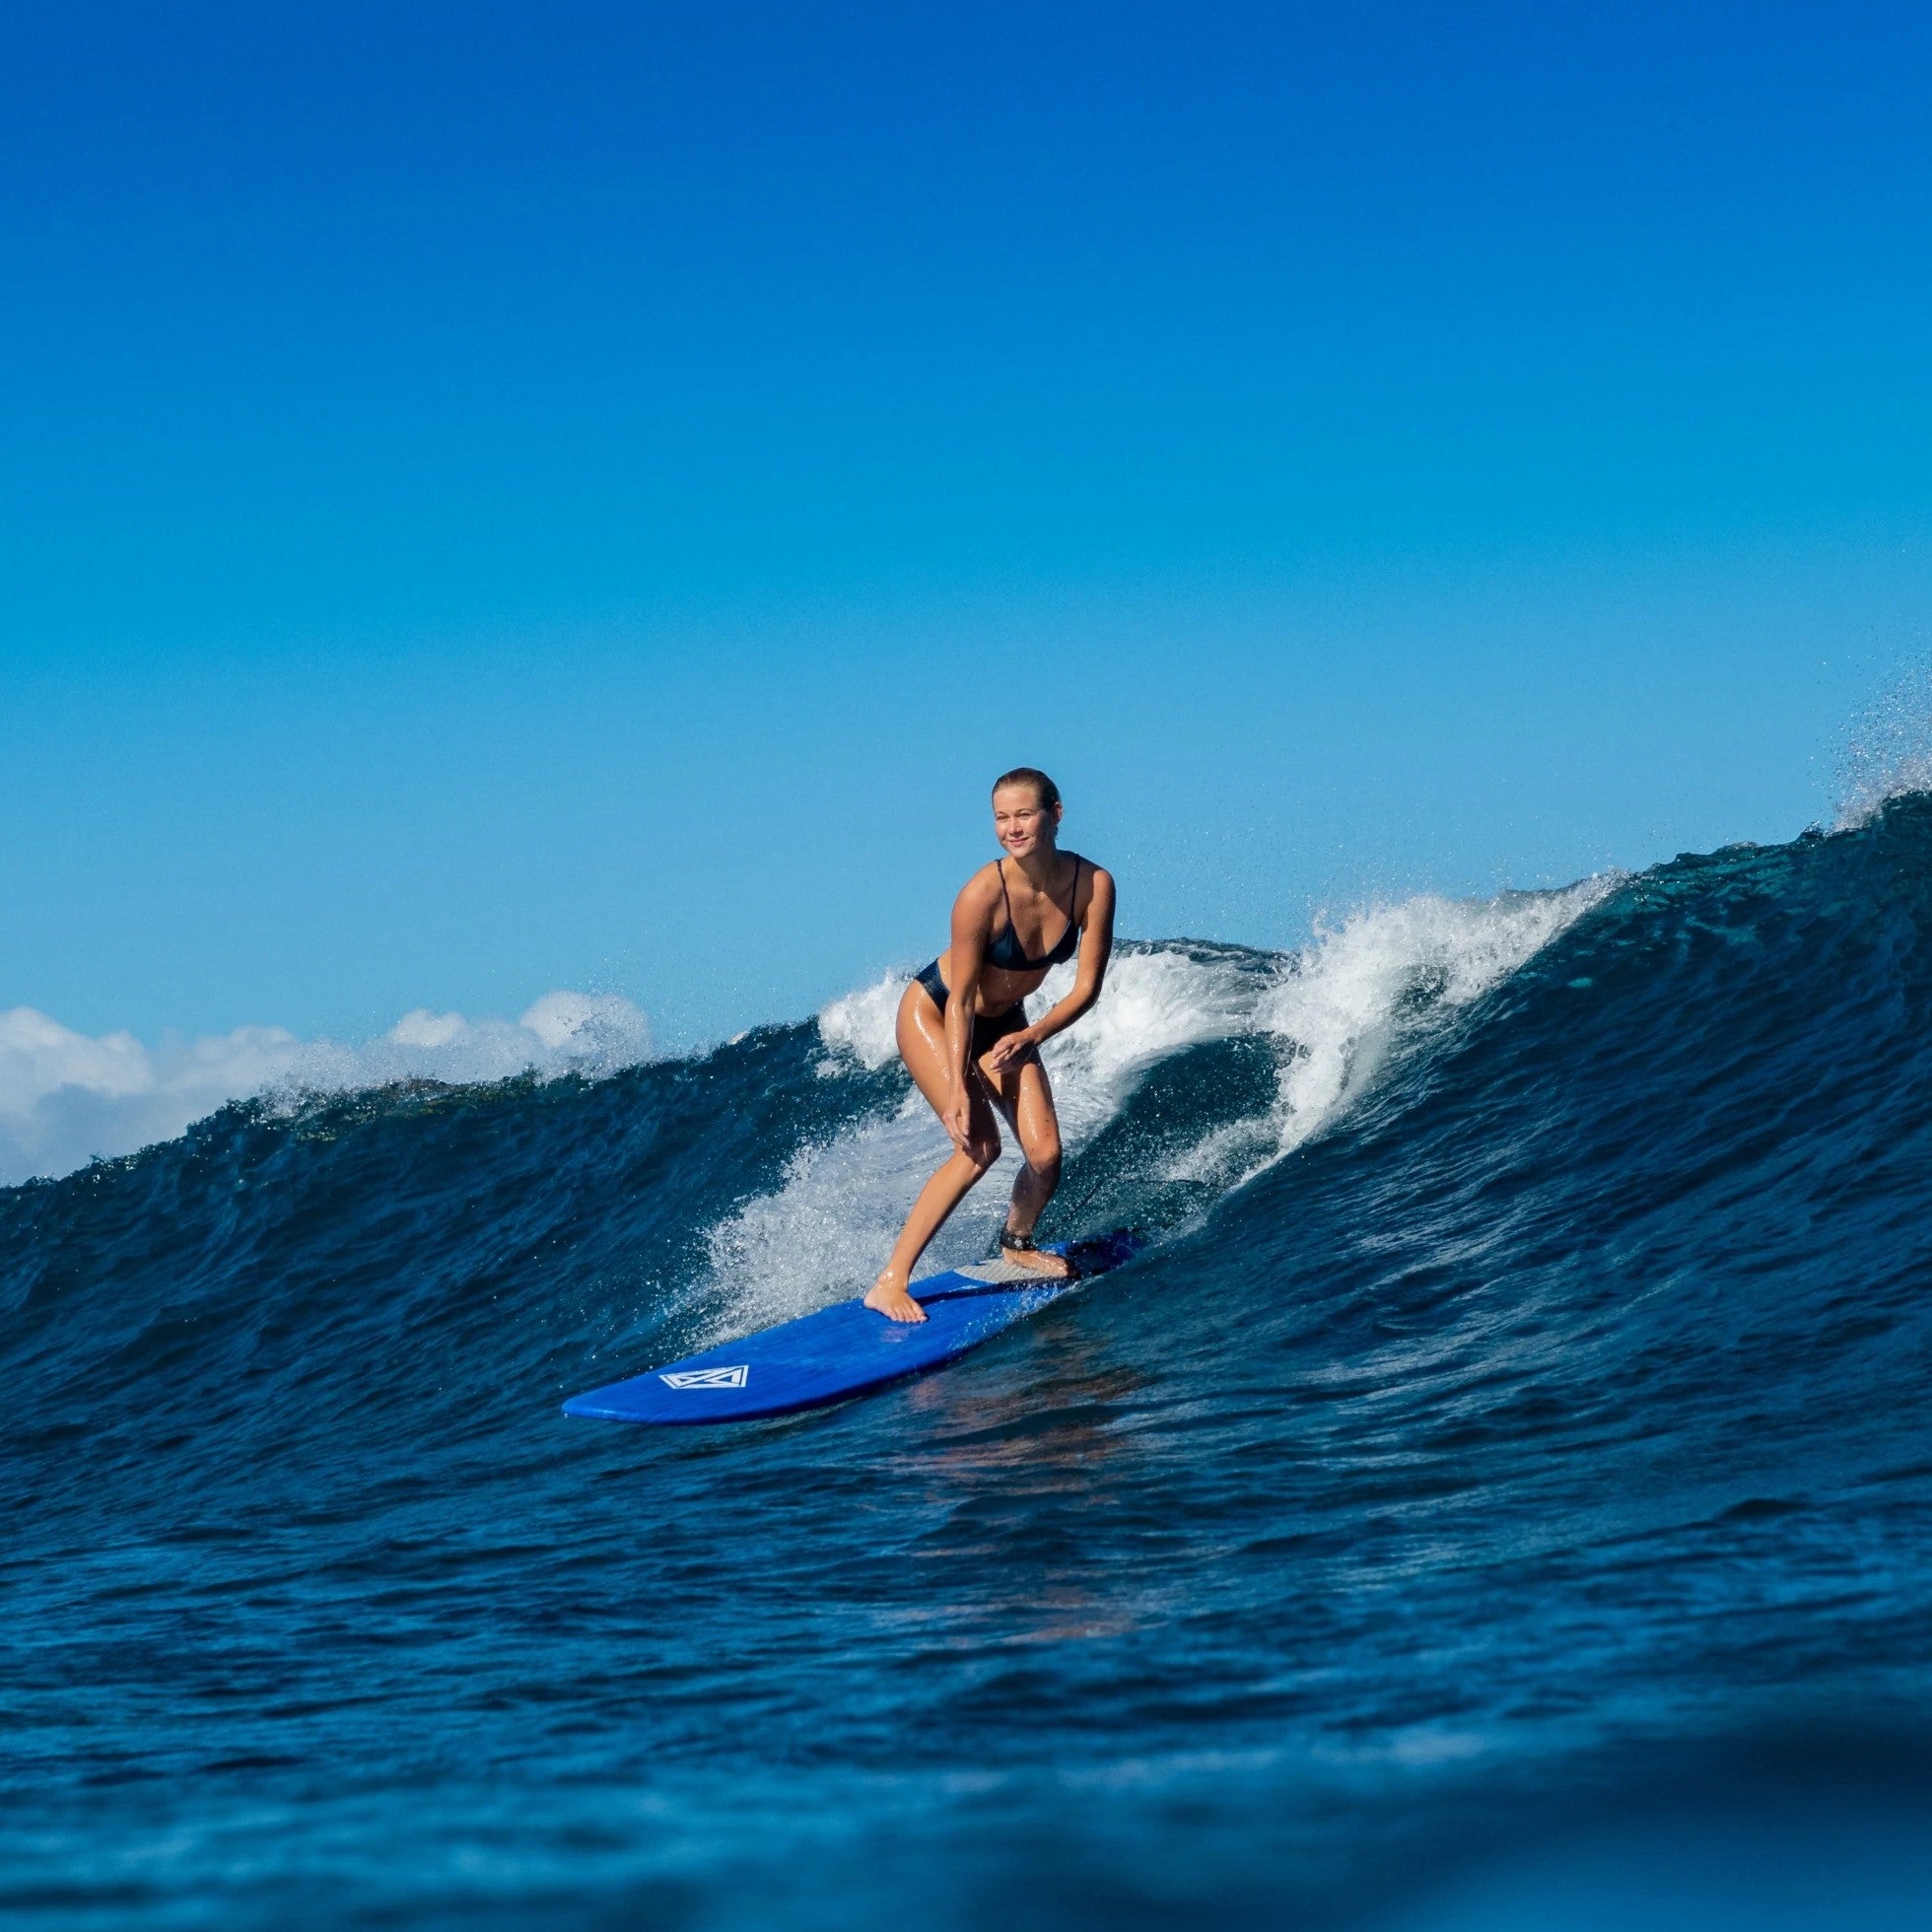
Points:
503	498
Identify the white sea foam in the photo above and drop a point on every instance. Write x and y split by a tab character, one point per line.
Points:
861	1023
1340	1003
66	1097
1331	1010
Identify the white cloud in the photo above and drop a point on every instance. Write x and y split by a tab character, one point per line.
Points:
66	1096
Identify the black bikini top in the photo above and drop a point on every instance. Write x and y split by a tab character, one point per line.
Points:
1006	952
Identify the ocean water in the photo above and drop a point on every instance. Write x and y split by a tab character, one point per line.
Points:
1501	1496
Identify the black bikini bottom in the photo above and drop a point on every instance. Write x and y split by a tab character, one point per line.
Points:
986	1027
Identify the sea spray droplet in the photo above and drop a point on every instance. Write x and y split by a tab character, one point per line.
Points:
1886	749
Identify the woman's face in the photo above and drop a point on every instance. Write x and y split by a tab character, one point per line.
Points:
1020	822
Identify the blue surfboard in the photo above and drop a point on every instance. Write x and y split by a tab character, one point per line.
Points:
846	1350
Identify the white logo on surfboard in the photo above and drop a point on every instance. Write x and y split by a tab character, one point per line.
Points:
708	1378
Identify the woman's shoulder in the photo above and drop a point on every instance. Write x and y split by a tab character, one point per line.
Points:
1093	895
984	886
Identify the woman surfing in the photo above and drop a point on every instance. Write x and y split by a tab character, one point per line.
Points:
963	1031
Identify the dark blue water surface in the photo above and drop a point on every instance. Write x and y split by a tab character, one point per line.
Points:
1513	1505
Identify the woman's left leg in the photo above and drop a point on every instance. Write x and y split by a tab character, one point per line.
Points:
1023	1095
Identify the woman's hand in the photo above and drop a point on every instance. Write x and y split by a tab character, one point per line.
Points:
1010	1050
956	1117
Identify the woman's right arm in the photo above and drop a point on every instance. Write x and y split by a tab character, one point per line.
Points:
972	916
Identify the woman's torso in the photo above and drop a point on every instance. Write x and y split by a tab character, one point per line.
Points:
1026	942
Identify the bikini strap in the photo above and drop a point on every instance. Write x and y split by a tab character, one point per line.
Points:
1002	867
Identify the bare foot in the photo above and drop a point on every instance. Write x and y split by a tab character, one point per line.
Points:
1038	1259
887	1296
